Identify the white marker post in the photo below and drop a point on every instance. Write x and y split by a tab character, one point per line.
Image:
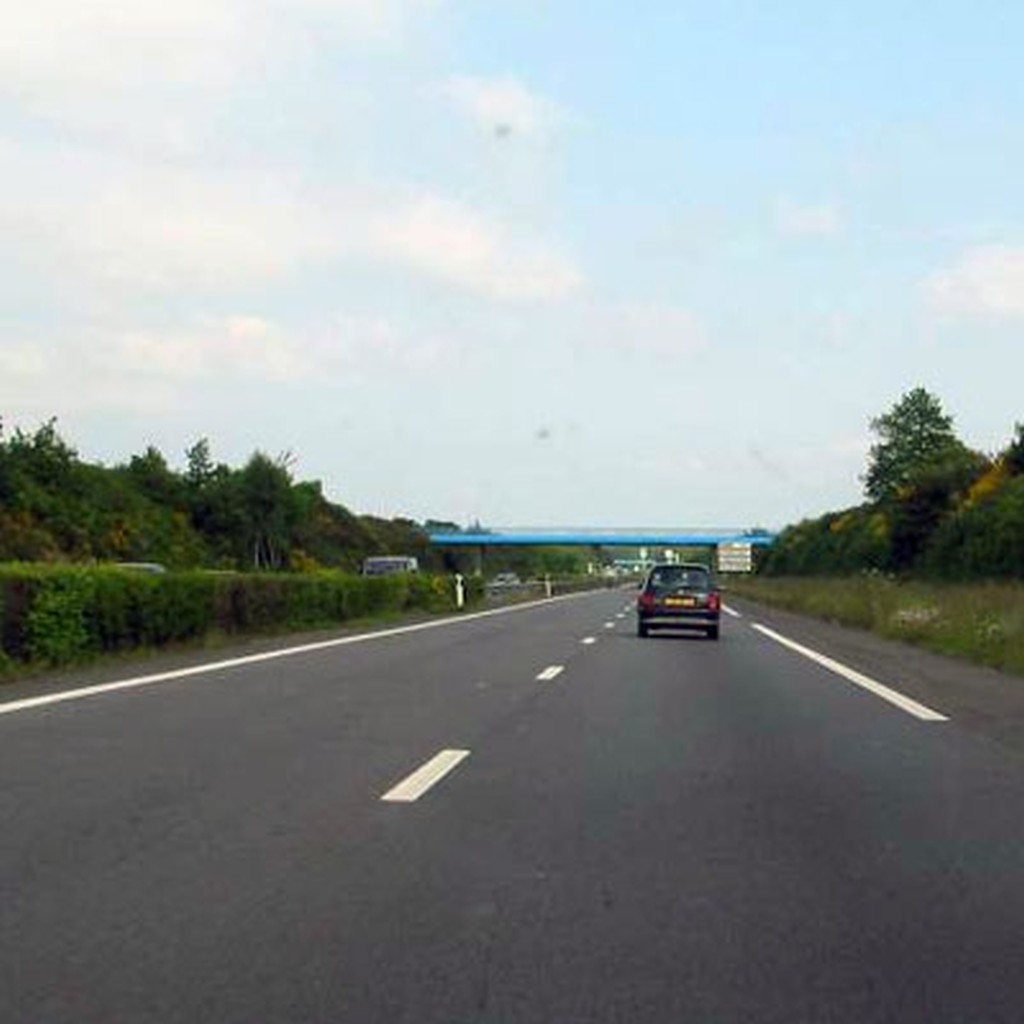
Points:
547	584
460	591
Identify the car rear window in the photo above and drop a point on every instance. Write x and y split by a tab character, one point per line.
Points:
675	576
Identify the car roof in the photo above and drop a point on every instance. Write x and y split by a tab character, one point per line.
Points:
680	565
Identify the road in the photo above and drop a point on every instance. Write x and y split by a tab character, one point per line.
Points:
661	830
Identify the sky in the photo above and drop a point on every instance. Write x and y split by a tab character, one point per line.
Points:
521	262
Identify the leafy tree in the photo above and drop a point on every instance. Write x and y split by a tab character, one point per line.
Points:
38	462
441	526
1013	457
853	540
55	507
914	433
985	539
154	478
269	510
6	490
200	469
930	495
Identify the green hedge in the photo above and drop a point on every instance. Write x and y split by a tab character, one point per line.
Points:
52	615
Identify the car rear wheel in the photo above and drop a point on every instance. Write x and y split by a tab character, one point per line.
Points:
712	632
641	627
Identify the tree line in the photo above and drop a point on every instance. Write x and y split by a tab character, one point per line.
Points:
56	507
934	506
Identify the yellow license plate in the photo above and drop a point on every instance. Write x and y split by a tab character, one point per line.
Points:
680	602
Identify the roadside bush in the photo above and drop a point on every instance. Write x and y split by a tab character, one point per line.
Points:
839	542
56	631
56	615
984	539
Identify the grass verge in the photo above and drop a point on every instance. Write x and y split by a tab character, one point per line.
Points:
982	622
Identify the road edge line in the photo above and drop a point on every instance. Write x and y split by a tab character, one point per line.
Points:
887	693
138	682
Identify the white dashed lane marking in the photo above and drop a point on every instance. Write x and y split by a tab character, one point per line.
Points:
413	786
550	673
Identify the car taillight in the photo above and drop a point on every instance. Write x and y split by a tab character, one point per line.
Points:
714	602
646	601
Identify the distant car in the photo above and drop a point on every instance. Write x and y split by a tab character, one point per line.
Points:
679	595
385	565
142	566
505	579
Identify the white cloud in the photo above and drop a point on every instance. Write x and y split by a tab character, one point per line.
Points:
655	331
452	242
157	75
503	105
986	281
234	346
138	369
92	211
207	235
813	220
126	227
65	45
361	345
22	364
167	369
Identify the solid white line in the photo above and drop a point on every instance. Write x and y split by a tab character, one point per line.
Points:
550	672
588	640
731	611
251	659
413	786
912	707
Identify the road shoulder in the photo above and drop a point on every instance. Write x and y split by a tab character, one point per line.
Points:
981	700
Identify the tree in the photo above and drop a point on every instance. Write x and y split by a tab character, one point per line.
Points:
150	474
1014	455
200	465
914	434
269	509
928	497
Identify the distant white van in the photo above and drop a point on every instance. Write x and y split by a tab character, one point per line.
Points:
384	565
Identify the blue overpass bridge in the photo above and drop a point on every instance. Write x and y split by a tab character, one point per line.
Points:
733	547
604	538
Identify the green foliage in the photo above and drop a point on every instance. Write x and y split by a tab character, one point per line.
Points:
849	541
200	471
268	510
931	493
984	539
55	625
913	434
56	508
57	615
1013	457
943	510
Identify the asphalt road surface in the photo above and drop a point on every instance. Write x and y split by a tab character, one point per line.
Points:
607	829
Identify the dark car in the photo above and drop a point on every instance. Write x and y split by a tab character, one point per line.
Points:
679	595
